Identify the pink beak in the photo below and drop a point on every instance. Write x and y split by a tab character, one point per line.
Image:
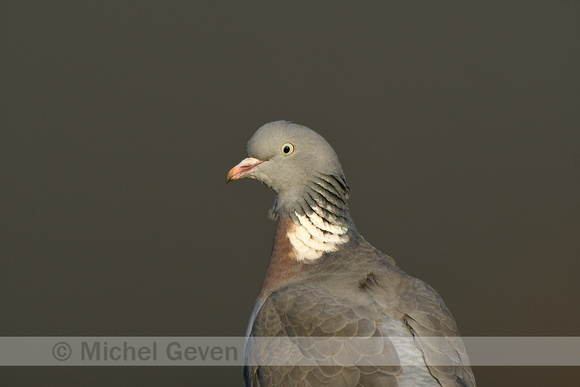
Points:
243	169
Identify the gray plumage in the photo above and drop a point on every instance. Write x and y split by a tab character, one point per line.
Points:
325	280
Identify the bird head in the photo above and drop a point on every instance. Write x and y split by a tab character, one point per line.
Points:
295	162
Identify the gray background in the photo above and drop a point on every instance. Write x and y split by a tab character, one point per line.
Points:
457	125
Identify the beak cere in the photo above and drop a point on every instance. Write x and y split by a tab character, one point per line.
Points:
243	169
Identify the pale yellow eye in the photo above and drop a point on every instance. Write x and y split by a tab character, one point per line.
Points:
287	149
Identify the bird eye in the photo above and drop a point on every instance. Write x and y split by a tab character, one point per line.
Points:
287	149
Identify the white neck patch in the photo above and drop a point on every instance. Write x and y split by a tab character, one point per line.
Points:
312	235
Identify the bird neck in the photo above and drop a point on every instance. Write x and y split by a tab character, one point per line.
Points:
311	223
316	218
299	241
313	233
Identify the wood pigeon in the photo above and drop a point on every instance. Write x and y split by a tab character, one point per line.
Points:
326	282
